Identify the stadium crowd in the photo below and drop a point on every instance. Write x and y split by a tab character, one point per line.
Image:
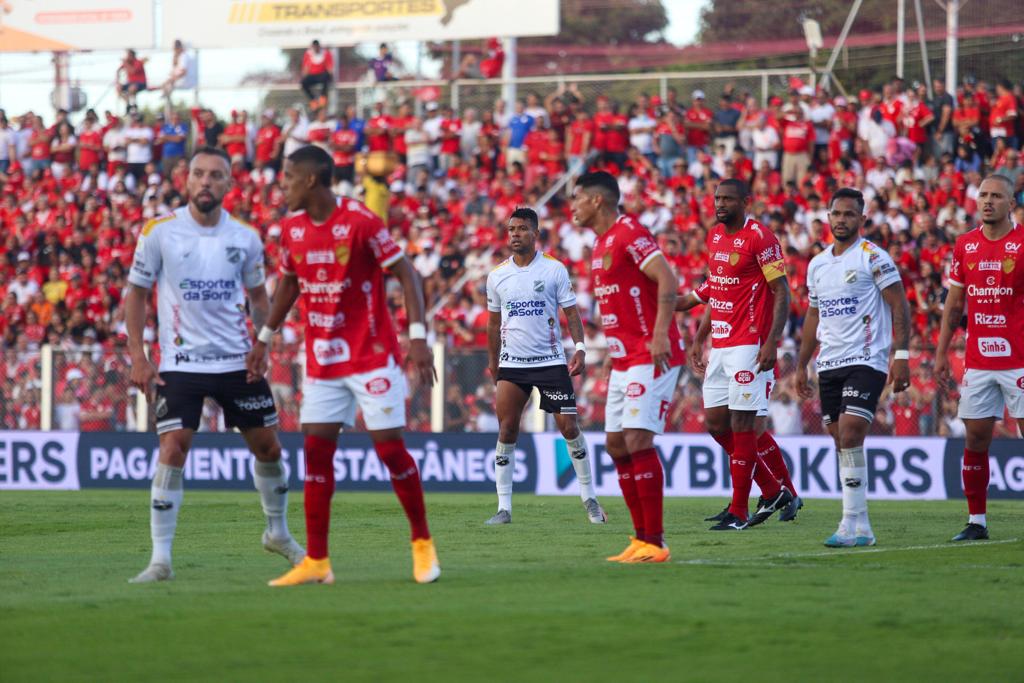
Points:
74	196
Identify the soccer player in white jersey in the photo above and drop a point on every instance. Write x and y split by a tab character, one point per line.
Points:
524	344
857	306
204	264
986	281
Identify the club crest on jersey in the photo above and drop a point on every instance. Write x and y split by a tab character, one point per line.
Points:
606	262
343	252
1008	265
538	285
734	258
850	276
234	254
341	231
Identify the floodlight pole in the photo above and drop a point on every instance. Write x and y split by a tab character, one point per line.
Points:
508	74
924	47
953	8
839	43
901	17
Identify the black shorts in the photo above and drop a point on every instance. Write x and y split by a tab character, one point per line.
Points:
853	390
553	383
179	402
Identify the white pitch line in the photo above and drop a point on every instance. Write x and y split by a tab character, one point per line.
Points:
846	552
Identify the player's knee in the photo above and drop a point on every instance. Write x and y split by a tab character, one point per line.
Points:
508	431
742	421
638	440
270	452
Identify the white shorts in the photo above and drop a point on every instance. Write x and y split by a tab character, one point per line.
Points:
638	400
732	379
985	393
380	394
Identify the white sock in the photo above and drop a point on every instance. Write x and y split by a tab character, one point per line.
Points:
273	489
165	497
504	466
853	473
977	519
579	454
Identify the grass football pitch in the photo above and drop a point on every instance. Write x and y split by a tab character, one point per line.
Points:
533	601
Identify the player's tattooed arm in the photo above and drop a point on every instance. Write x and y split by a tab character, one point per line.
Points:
259	306
896	298
687	301
575	325
952	312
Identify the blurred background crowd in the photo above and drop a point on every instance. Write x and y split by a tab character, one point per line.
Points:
74	195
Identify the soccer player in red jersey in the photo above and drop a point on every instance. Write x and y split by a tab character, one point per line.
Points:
986	279
333	254
636	293
748	298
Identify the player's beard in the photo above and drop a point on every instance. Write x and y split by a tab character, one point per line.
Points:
206	204
851	236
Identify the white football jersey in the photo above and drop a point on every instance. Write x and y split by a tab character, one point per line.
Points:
855	323
529	299
201	274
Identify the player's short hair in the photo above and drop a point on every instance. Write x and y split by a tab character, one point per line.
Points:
849	193
603	182
207	150
320	162
741	187
1004	180
527	214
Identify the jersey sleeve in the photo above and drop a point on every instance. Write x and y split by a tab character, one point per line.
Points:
812	285
385	250
642	248
703	291
493	299
148	260
769	256
253	273
883	269
566	297
956	275
287	255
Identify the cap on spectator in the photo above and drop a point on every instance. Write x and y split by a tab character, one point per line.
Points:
397	186
23	256
806	90
865	94
698	94
775	101
656	101
75	373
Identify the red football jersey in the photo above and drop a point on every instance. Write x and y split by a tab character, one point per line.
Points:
343	142
992	277
628	298
740	266
339	265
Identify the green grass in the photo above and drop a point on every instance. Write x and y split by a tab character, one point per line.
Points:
534	601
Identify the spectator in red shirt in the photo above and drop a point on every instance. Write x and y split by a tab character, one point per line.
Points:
317	70
233	139
134	70
797	144
698	128
1003	118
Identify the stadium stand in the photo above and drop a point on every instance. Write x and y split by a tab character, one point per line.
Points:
73	199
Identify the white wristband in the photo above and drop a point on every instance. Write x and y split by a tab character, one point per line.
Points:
417	331
266	335
901	354
580	346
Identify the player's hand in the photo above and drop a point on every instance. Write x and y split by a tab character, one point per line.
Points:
144	377
257	362
577	363
767	356
899	375
696	356
493	369
660	353
942	372
803	386
423	360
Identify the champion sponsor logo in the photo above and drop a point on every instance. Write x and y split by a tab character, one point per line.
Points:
720	305
602	291
307	287
973	290
993	347
720	329
744	377
341	231
971	247
255	403
319	257
635	390
723	280
297	234
325	320
378	386
989	265
989	319
609	320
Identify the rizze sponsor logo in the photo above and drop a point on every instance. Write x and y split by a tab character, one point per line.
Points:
378	386
325	321
989	319
720	305
635	390
993	347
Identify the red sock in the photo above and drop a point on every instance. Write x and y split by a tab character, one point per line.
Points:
724	440
405	480
624	466
650	488
765	478
975	477
319	488
741	469
769	451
